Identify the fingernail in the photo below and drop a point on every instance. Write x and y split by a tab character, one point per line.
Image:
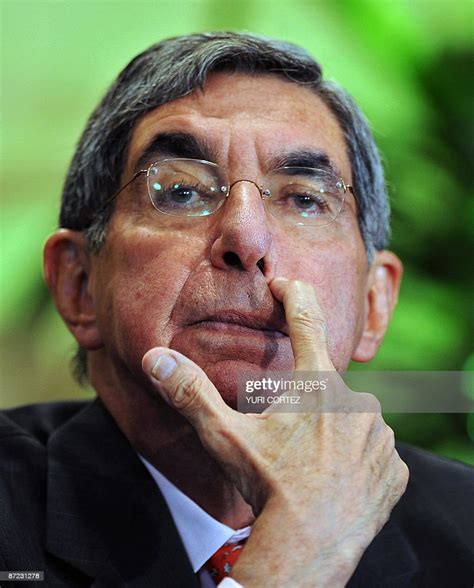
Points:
164	367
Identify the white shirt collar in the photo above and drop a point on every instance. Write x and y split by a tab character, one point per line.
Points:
202	535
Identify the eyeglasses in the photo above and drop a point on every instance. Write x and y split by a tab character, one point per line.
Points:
196	188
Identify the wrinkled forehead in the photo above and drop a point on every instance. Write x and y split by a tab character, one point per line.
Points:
243	121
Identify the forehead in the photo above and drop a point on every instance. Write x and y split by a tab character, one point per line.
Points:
248	119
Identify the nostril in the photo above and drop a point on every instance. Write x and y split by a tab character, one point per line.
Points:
232	259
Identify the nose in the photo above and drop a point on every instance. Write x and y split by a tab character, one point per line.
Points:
244	236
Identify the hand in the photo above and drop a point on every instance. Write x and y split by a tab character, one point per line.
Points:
322	484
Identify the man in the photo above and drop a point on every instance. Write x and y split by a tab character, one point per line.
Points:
225	212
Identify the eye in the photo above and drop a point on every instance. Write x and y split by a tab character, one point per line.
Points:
301	202
182	194
308	203
185	198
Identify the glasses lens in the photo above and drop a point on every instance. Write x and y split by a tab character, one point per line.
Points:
305	196
186	187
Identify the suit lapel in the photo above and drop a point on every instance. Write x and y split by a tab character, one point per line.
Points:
105	515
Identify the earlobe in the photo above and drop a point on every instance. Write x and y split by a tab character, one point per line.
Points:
67	273
382	295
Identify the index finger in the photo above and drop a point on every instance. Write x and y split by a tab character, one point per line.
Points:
306	324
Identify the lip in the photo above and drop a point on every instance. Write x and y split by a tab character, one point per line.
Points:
233	322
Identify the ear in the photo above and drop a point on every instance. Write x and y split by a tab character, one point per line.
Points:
66	271
383	285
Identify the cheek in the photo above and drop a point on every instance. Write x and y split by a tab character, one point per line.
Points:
342	300
338	273
142	283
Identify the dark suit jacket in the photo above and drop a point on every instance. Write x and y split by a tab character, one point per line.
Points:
77	502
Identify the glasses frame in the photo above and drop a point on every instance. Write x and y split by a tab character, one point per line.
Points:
264	193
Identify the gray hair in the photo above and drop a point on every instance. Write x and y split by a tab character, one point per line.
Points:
174	68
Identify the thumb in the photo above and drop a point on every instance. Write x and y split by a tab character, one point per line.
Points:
184	386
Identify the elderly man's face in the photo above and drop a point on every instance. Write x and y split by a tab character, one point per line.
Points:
193	284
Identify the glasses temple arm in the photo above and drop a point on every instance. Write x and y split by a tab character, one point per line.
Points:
115	194
352	191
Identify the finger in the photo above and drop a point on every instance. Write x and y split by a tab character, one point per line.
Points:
185	387
306	324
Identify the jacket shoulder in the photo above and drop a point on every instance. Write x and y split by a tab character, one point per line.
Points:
38	421
439	473
436	509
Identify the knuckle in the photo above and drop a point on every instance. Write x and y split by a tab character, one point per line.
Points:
400	474
186	394
308	319
375	404
389	436
404	474
369	403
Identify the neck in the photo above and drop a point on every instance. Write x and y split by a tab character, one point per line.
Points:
170	444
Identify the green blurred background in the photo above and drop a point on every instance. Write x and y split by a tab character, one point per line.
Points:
408	64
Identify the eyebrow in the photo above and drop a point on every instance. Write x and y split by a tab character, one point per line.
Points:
305	158
176	144
188	145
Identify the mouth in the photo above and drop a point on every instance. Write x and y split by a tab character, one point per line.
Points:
239	324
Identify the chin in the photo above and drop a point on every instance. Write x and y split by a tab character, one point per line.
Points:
228	376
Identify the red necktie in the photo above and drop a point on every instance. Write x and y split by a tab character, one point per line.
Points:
221	563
